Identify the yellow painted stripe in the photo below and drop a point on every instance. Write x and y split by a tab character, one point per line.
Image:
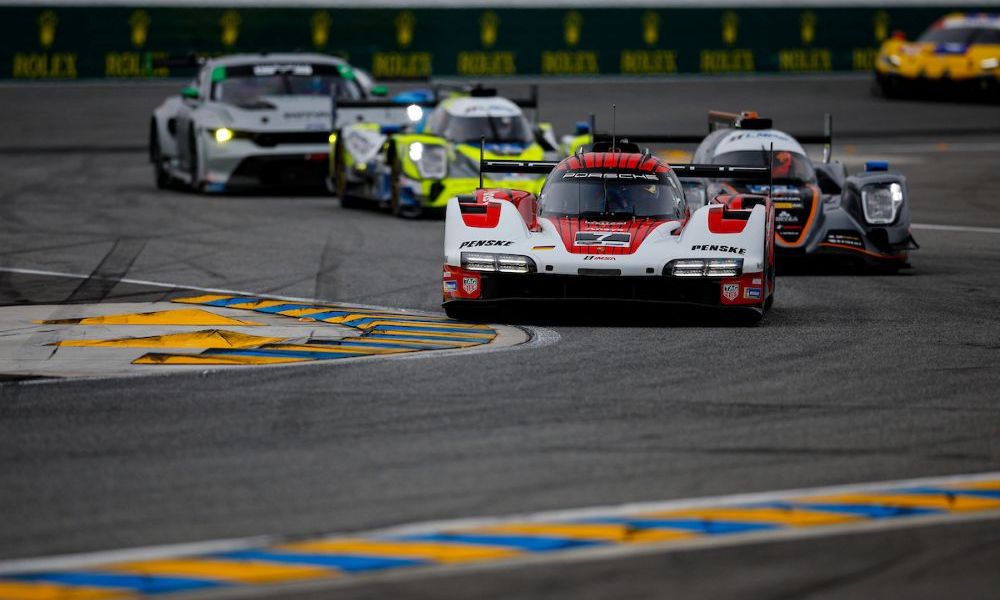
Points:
338	349
443	552
17	590
444	344
440	343
939	502
435	334
206	338
225	570
586	531
795	517
205	299
433	325
978	485
257	304
154	358
186	316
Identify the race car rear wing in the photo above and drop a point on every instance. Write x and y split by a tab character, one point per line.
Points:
543	167
721	120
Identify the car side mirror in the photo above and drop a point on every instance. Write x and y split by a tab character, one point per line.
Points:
380	91
190	93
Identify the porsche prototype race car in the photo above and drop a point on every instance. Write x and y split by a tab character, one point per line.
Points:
253	120
609	225
820	210
958	55
416	169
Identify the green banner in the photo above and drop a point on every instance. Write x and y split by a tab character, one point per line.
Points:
53	42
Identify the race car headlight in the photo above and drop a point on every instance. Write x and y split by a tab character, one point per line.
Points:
414	113
881	202
431	160
988	64
223	135
893	60
705	267
504	263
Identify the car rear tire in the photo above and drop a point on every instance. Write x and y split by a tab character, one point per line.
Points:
193	162
160	175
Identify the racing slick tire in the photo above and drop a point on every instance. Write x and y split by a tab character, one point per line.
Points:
340	179
160	175
196	183
472	314
396	206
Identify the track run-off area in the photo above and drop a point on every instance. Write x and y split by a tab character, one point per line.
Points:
601	426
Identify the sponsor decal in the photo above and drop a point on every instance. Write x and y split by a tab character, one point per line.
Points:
790	205
786	217
450	286
594	257
603	175
543	248
730	291
470	284
717	248
751	293
845	238
482	243
601	238
756	281
266	70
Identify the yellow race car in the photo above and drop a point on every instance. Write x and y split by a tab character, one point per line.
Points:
960	53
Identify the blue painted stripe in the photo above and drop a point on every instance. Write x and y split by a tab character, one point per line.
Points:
234	300
366	319
931	491
279	353
351	563
372	344
871	511
279	308
431	329
444	342
518	542
704	526
152	584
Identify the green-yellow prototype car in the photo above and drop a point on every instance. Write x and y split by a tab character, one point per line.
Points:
414	170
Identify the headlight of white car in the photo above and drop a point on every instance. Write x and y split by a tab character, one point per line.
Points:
504	263
881	202
431	159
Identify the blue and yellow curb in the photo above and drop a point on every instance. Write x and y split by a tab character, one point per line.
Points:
725	520
378	332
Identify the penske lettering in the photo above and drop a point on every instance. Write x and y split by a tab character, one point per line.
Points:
482	243
600	175
716	248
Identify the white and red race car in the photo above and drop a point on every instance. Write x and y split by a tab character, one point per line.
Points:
610	224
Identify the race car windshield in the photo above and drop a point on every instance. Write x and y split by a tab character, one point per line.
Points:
246	86
950	35
611	199
789	167
512	129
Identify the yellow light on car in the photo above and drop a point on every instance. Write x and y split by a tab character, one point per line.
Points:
223	135
333	138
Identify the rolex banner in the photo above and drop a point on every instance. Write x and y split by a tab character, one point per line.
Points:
53	42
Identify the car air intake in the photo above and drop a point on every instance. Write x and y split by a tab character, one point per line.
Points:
600	272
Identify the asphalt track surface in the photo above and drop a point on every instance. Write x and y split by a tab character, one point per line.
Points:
850	378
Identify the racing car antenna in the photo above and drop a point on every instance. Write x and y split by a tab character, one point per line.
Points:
613	108
770	173
482	150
